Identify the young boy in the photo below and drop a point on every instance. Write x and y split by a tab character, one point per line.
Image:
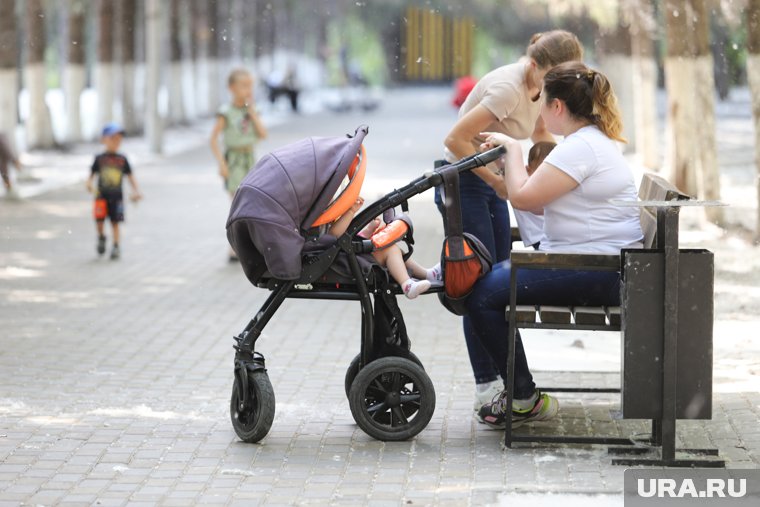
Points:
392	257
531	225
110	168
240	127
7	157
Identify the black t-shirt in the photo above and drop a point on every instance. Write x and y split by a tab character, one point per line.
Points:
111	169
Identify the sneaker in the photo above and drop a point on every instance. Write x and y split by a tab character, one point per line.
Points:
101	245
486	392
494	414
115	253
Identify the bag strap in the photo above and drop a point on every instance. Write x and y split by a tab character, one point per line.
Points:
453	205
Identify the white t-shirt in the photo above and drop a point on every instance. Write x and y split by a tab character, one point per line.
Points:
531	226
583	220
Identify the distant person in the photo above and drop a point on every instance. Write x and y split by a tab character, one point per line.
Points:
279	83
240	127
8	157
110	168
506	100
531	224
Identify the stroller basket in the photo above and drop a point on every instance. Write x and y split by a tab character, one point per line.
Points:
274	226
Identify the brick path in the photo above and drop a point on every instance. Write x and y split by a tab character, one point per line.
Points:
115	376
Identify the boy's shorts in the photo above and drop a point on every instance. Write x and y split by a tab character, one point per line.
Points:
111	207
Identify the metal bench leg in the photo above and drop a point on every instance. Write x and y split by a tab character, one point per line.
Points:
511	333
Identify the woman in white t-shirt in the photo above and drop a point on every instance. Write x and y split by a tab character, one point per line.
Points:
573	187
505	100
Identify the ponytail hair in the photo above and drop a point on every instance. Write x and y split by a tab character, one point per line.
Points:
588	95
551	48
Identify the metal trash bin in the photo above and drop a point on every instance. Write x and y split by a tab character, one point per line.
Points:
642	332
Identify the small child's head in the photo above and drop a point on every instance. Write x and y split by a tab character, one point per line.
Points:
537	154
111	136
240	83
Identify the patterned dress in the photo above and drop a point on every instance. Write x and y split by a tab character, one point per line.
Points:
239	137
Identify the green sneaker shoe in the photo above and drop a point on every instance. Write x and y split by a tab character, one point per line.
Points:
494	414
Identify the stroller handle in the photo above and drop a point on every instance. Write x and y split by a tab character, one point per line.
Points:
480	159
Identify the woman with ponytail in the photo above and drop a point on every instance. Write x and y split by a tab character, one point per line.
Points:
572	188
505	100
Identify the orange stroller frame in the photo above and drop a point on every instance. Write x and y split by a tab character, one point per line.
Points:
390	395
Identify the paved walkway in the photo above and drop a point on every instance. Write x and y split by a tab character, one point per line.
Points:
115	376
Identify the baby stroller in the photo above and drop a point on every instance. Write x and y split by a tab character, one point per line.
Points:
274	227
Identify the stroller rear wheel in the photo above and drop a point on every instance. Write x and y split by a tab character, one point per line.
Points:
353	369
254	421
392	398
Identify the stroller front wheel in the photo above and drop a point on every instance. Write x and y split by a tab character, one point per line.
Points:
392	398
253	422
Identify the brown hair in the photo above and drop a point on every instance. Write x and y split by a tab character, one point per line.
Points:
235	74
538	153
554	47
587	94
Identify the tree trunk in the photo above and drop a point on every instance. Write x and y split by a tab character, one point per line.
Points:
213	77
154	123
643	26
75	75
615	60
39	130
753	76
129	71
8	72
199	45
704	81
680	71
176	93
104	70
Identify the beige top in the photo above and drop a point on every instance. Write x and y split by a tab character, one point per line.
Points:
503	92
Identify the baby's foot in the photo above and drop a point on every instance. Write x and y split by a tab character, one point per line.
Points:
413	288
435	275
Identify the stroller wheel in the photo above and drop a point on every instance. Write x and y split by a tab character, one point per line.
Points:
353	369
253	423
392	398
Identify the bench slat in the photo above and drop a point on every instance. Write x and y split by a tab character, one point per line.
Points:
613	315
525	313
554	314
593	315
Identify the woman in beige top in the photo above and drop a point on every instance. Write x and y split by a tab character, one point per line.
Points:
506	101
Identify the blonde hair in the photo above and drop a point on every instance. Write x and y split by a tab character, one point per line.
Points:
587	93
551	48
235	74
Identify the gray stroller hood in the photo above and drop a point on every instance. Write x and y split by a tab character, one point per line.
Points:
279	200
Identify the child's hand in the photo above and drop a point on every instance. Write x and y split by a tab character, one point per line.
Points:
224	171
494	139
136	196
88	186
358	204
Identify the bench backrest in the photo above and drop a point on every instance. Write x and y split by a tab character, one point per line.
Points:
655	188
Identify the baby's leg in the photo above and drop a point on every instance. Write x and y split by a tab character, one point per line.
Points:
392	258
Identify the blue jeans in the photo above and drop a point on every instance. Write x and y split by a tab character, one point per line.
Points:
490	297
485	216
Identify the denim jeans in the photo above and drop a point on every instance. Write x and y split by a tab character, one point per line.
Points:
490	297
485	216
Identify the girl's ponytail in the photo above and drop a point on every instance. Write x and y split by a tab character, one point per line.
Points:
605	113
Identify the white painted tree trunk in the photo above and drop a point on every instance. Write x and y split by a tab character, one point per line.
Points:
74	83
753	76
176	95
188	89
682	156
618	68
154	128
128	96
9	104
39	129
104	84
214	90
709	172
202	92
645	111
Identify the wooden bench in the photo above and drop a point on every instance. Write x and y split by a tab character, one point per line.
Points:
654	331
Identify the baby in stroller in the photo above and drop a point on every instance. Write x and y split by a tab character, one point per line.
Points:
413	278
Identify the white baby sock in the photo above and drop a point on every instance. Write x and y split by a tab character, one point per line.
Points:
413	288
435	275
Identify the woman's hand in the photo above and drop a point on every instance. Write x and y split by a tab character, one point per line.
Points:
357	204
494	139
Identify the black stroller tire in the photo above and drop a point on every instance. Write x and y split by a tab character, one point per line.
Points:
392	399
353	369
253	424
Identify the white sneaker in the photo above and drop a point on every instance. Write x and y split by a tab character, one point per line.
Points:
486	392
